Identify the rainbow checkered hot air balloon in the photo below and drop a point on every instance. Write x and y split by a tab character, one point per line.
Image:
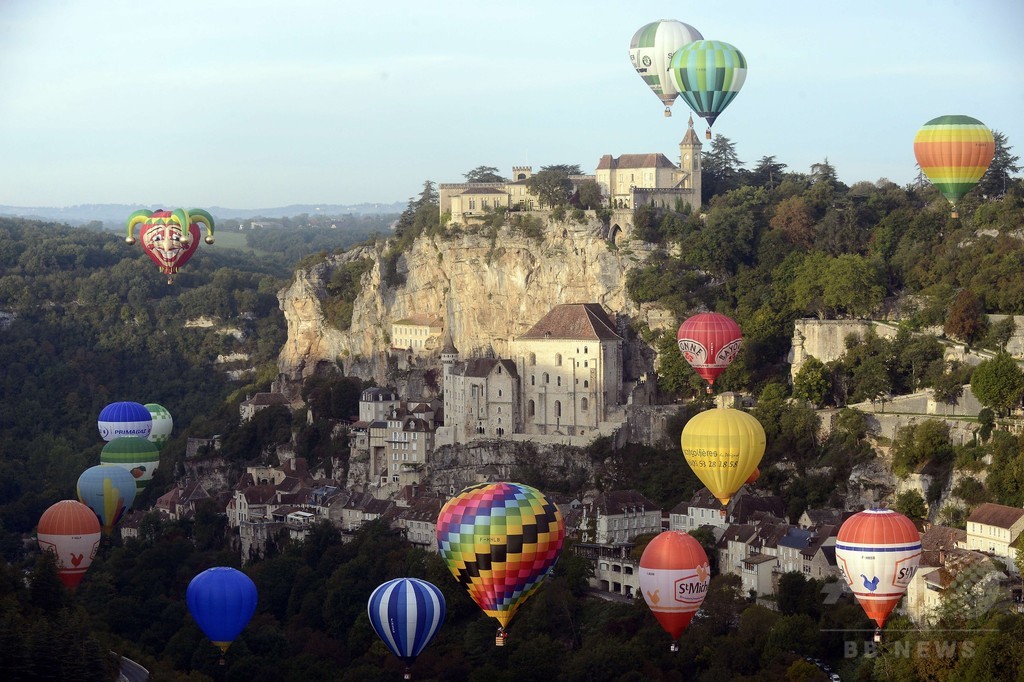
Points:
878	551
954	152
500	540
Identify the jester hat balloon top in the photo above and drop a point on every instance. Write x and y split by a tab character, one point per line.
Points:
170	238
500	540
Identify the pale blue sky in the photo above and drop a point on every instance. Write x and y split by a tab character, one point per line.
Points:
259	103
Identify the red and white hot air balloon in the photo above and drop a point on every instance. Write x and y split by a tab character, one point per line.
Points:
878	551
709	342
71	531
674	576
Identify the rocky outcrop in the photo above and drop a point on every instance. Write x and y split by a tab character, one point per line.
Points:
486	291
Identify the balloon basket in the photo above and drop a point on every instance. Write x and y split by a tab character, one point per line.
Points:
707	134
674	647
668	112
878	636
407	675
499	639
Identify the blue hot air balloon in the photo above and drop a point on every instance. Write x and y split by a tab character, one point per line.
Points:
118	420
108	490
221	600
406	614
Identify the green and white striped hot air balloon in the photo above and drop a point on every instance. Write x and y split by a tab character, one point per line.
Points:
708	75
139	456
651	51
163	424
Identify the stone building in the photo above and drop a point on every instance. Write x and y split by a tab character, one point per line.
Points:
481	399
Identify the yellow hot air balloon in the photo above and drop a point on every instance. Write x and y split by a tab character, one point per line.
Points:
723	446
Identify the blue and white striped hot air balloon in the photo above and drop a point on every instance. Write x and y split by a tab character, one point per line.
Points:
406	613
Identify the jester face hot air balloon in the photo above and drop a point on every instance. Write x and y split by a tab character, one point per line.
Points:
406	613
674	575
709	342
651	51
708	75
137	455
118	420
108	490
954	152
500	540
170	238
878	551
723	447
163	424
221	600
70	530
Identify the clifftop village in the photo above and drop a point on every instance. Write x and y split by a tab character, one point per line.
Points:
563	383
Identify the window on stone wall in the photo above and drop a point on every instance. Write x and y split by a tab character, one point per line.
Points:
558	359
558	408
584	404
531	409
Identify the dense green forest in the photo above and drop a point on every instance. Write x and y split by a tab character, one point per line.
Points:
87	320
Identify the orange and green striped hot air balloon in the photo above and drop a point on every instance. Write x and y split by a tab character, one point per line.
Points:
954	152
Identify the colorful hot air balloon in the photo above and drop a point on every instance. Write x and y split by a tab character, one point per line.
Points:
708	75
500	540
878	551
139	456
163	424
125	419
723	446
108	490
674	575
221	600
651	50
71	531
709	342
954	152
170	238
406	613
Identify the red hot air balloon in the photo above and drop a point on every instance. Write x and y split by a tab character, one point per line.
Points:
170	238
878	551
709	342
674	575
71	531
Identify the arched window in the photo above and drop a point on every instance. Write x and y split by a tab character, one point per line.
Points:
499	392
558	359
558	408
533	358
533	380
559	381
586	384
584	350
584	404
499	369
531	409
547	379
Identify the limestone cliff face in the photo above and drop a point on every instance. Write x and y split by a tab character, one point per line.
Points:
487	293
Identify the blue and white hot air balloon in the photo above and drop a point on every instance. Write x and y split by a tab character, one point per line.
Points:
406	613
118	420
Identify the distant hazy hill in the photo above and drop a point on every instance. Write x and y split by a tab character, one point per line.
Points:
115	214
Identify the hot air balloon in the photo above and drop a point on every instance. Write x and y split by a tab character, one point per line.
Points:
124	419
709	342
723	446
500	540
221	600
406	613
651	50
954	152
708	75
170	238
163	424
752	478
674	575
878	551
71	531
137	455
108	490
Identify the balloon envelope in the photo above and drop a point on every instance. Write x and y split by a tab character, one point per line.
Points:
163	424
709	342
878	551
71	531
954	152
406	613
138	456
708	75
651	50
221	600
118	420
500	540
108	490
723	446
170	238
674	575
